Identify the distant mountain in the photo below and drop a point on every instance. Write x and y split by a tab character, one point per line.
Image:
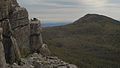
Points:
92	41
54	24
95	18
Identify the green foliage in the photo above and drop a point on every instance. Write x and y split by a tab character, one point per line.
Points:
88	45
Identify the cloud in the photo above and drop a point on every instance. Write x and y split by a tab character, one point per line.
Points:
57	15
69	10
29	2
97	3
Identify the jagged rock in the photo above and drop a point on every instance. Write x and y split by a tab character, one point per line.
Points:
19	21
35	37
17	17
15	65
37	57
14	18
15	49
9	53
44	50
14	2
46	62
4	7
2	54
22	37
12	52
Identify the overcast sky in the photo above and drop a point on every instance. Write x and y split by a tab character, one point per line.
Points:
53	11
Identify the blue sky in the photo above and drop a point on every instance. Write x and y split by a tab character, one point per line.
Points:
54	11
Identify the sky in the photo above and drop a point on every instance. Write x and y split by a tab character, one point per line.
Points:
56	11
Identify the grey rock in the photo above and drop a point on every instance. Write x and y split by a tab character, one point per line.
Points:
72	66
15	65
44	50
21	38
35	35
2	54
9	53
34	61
12	52
19	21
15	49
4	7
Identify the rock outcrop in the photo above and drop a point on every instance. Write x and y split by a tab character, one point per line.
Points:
20	37
2	55
44	50
19	21
13	20
38	61
36	42
35	35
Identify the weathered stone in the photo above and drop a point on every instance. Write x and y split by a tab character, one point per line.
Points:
35	35
15	49
9	52
19	21
2	55
19	18
15	65
46	62
44	50
14	2
72	66
4	6
22	37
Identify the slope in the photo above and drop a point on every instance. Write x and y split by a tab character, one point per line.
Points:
92	41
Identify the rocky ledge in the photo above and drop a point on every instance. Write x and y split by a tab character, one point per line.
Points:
38	61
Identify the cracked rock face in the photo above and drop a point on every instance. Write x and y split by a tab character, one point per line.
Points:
13	20
19	22
20	37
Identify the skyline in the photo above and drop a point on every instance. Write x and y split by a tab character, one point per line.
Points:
53	11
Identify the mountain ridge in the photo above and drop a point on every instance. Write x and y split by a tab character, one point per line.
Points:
89	42
95	18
